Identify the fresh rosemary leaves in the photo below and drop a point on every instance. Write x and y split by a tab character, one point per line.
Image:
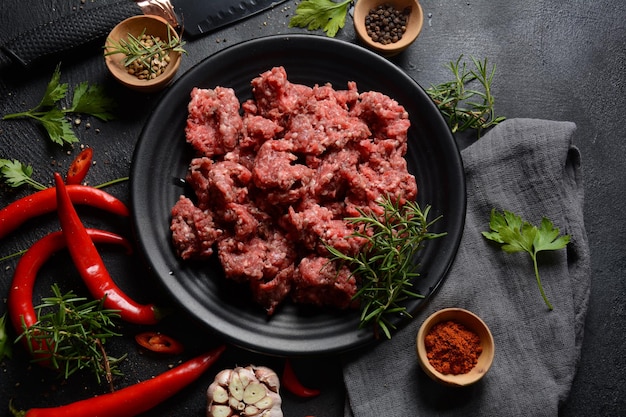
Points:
386	267
72	333
463	107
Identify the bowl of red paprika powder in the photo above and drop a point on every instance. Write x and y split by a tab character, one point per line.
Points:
455	347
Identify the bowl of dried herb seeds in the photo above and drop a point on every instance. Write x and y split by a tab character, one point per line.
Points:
388	26
143	53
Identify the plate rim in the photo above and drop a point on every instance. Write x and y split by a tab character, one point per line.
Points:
362	336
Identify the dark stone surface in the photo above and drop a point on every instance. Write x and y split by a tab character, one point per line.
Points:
555	60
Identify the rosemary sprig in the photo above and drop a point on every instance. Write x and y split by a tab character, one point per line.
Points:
5	344
135	50
386	267
73	333
465	108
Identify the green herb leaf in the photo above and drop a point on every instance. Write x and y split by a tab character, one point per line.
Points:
465	108
386	267
73	332
16	174
5	342
58	127
89	100
321	14
517	235
55	90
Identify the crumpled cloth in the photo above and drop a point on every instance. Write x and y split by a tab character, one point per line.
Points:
531	168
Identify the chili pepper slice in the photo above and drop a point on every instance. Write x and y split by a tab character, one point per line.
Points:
292	384
79	167
134	399
159	343
45	201
20	298
92	268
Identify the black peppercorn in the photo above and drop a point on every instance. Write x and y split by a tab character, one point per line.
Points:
385	24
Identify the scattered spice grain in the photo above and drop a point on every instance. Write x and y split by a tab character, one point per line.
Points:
385	24
150	65
452	348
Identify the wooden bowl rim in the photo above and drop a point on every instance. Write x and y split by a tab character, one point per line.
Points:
474	323
414	27
135	25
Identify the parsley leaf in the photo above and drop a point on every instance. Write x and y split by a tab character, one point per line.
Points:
90	99
517	235
58	127
16	174
87	99
321	14
55	90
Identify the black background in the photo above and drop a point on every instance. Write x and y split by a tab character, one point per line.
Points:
555	60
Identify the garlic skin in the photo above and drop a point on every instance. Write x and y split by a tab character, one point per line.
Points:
252	391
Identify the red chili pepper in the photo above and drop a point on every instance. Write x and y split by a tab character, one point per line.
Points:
45	201
20	298
134	399
92	268
159	343
292	384
79	167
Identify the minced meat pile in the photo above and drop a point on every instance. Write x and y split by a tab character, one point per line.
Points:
275	177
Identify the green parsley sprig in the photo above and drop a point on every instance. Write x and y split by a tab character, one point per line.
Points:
464	107
517	235
87	99
386	267
16	174
321	14
74	332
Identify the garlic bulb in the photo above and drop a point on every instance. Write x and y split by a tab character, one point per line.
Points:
245	392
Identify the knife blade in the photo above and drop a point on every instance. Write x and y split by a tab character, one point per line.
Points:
87	26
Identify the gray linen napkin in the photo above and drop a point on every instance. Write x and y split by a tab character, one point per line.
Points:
531	168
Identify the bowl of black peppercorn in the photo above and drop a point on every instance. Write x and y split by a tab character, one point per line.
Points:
388	26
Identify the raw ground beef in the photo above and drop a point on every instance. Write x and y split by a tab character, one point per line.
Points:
275	177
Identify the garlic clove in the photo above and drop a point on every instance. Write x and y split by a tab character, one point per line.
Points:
245	392
220	411
220	395
254	392
235	387
268	377
250	410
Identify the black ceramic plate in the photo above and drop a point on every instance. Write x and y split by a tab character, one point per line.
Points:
161	156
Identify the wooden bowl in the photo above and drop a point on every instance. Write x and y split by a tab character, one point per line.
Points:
155	26
471	322
414	25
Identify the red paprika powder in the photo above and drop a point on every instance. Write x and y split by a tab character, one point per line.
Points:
452	348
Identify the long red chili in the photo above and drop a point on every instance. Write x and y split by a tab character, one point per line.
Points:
292	384
92	268
20	297
79	167
135	399
45	201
